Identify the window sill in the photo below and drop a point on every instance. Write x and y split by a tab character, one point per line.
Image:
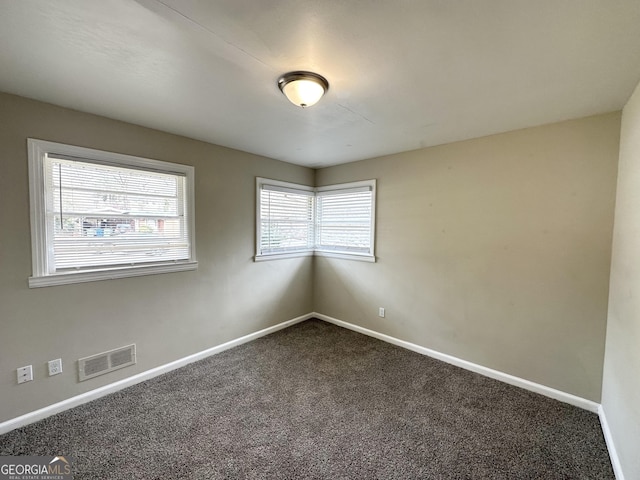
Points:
361	257
278	256
111	274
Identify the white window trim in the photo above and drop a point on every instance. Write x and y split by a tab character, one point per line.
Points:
277	256
260	257
363	257
41	277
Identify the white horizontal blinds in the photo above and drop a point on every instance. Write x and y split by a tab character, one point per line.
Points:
286	219
103	215
344	219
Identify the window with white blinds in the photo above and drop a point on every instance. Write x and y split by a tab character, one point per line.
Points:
99	215
286	220
344	219
336	220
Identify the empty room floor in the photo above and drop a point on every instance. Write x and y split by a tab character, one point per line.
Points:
319	401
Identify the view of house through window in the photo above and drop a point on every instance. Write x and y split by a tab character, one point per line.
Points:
96	211
104	215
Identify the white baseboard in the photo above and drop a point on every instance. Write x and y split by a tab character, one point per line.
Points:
45	412
608	438
77	400
488	372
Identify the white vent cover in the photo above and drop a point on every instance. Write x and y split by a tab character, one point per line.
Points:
89	367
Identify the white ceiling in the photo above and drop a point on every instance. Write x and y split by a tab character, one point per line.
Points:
404	74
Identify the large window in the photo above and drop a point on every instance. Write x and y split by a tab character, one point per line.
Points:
336	220
98	215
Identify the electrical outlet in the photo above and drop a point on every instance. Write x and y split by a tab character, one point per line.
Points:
55	366
381	312
25	374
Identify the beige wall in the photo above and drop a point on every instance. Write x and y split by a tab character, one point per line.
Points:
494	250
621	382
168	316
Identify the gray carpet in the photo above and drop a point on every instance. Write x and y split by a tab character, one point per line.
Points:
318	401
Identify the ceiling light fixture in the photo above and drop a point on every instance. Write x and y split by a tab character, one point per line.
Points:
303	88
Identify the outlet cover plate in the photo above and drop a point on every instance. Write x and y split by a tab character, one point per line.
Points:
55	366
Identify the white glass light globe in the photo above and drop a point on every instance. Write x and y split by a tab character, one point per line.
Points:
303	92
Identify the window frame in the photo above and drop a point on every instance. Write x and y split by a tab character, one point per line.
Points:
315	251
344	188
305	190
41	244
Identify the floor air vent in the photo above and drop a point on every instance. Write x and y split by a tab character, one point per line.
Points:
89	367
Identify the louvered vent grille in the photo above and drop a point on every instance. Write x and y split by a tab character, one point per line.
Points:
96	365
121	358
89	367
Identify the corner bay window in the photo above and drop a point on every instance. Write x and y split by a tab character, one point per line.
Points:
98	215
336	220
